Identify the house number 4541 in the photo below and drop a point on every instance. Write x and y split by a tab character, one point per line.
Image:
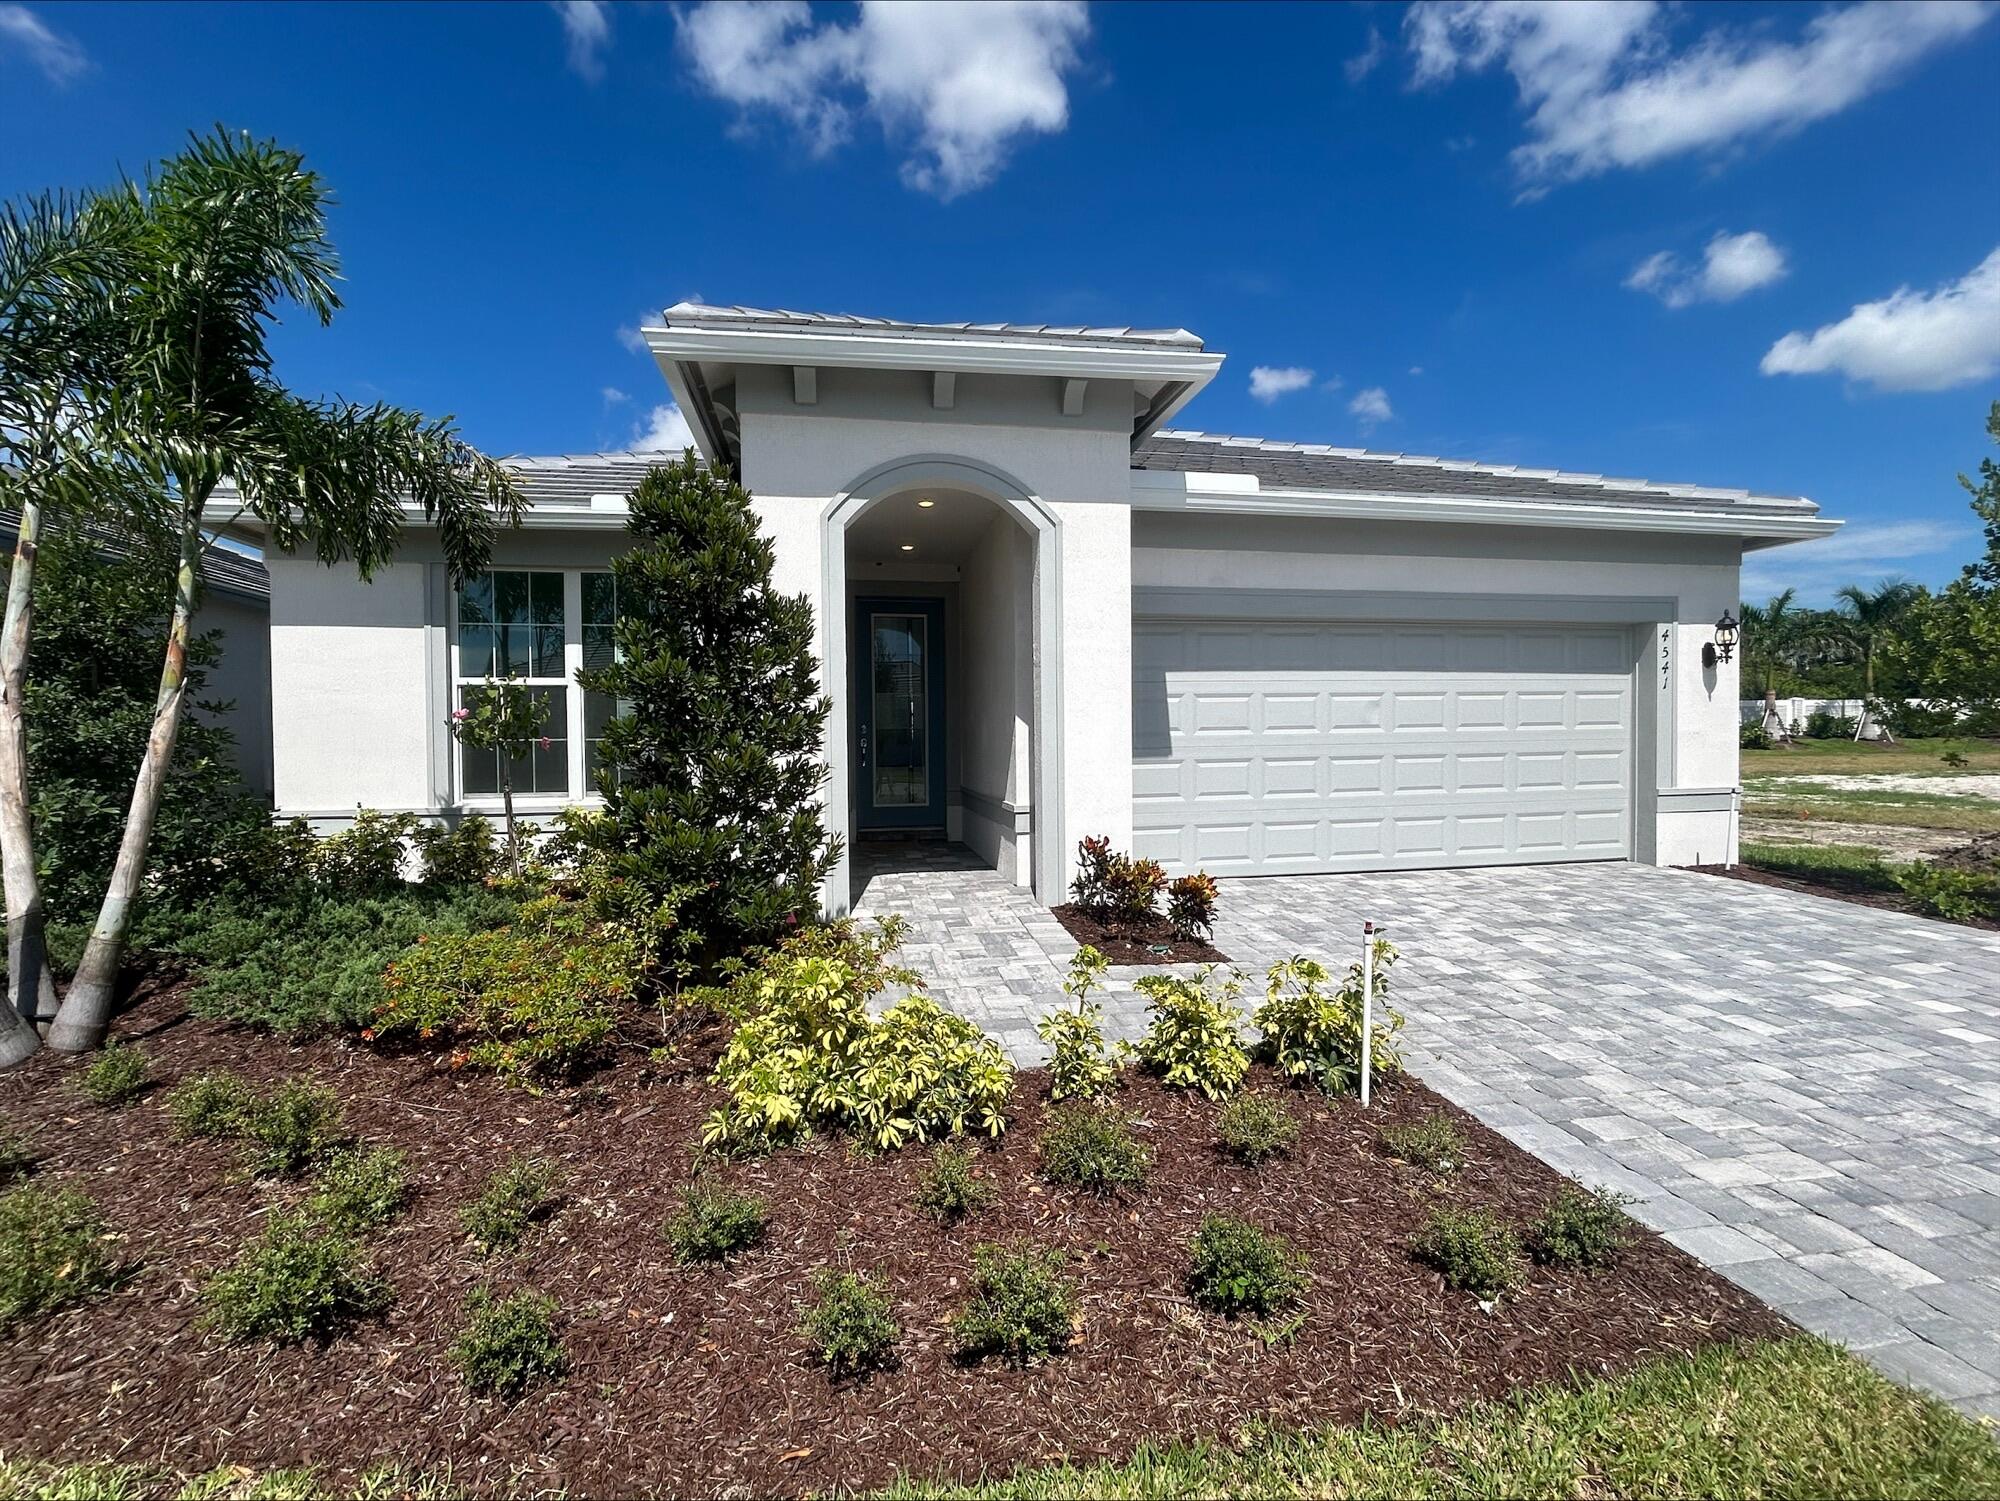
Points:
1666	655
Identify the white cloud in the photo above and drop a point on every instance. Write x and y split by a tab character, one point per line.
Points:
59	57
614	397
1856	552
961	83
1731	266
1416	369
587	31
1909	341
665	430
1371	406
1605	87
1366	61
1269	382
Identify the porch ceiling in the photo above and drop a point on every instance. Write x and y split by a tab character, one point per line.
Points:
942	533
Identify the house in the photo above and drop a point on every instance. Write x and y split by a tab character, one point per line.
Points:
1044	612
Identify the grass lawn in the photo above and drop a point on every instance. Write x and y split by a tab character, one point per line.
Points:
1794	1418
1856	863
1805	758
1900	810
1780	1419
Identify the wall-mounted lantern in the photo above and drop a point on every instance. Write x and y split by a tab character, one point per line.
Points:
1723	647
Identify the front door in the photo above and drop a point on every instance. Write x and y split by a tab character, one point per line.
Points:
898	713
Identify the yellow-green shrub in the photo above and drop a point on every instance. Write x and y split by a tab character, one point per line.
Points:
1314	1033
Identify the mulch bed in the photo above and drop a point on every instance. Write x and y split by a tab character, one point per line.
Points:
1841	889
1126	942
693	1381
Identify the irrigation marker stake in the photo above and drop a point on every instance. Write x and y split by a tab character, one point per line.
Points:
1367	1007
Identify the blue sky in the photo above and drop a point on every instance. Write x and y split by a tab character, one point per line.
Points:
1735	245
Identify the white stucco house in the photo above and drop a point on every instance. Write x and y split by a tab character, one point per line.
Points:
1044	612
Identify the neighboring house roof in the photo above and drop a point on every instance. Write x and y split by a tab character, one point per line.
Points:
575	478
222	567
1039	333
1322	467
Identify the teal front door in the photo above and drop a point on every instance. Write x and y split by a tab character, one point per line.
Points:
898	713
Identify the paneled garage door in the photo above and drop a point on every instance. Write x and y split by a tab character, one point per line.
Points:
1265	749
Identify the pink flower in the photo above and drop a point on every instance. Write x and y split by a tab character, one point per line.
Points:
543	742
461	714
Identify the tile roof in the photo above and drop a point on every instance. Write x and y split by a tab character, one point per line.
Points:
1071	333
222	567
571	479
1321	466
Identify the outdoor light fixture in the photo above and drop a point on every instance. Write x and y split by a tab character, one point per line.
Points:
909	547
926	503
1724	646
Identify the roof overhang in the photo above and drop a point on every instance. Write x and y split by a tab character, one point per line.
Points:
699	356
1243	495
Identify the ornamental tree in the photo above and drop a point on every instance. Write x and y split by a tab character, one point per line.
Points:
711	771
505	716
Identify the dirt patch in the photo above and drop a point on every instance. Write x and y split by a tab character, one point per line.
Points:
1939	784
1895	841
1980	854
1128	942
693	1382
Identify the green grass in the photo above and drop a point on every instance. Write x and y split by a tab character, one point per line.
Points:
1797	1418
1843	757
1852	862
1882	809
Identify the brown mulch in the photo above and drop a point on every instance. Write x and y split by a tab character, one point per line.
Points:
693	1381
1841	889
1124	941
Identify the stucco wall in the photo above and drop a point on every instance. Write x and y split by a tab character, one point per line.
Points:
242	678
995	698
1694	767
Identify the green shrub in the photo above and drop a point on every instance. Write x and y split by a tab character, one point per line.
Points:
1193	1042
948	1188
1943	891
1471	1248
523	1192
1255	1128
215	1105
461	856
714	1222
535	1000
1022	1305
1434	1143
315	963
295	1129
365	857
1822	725
55	1250
1580	1228
1753	736
1238	1268
298	1281
1092	1146
852	1326
1080	1065
510	1345
808	1055
17	1159
1311	1032
1191	906
116	1077
361	1191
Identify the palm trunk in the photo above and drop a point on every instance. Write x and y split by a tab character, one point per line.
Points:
30	989
86	1009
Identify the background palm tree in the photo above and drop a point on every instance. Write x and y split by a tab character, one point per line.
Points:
1867	617
1767	638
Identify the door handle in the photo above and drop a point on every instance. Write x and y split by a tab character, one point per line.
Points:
864	747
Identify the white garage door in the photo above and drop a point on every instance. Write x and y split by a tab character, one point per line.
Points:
1265	748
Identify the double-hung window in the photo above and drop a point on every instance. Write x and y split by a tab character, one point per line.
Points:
538	627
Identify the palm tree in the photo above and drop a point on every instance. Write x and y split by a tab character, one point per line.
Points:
58	264
1767	635
233	229
1867	617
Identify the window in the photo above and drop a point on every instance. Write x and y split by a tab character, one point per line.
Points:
539	627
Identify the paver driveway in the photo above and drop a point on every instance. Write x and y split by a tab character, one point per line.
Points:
1803	1093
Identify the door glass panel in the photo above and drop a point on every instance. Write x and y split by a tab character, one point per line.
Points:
899	752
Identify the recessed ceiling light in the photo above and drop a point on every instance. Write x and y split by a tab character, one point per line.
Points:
927	503
909	547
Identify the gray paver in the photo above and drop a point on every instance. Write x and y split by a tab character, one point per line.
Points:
1787	1083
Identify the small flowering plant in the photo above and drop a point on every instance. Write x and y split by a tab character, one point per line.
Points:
506	717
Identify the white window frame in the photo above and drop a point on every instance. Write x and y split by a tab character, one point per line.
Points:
579	791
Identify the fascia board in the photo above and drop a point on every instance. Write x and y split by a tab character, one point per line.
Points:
1360	505
853	350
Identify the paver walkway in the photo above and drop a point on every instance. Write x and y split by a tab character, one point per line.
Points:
1804	1093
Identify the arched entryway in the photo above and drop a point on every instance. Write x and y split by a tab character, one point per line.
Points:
941	637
